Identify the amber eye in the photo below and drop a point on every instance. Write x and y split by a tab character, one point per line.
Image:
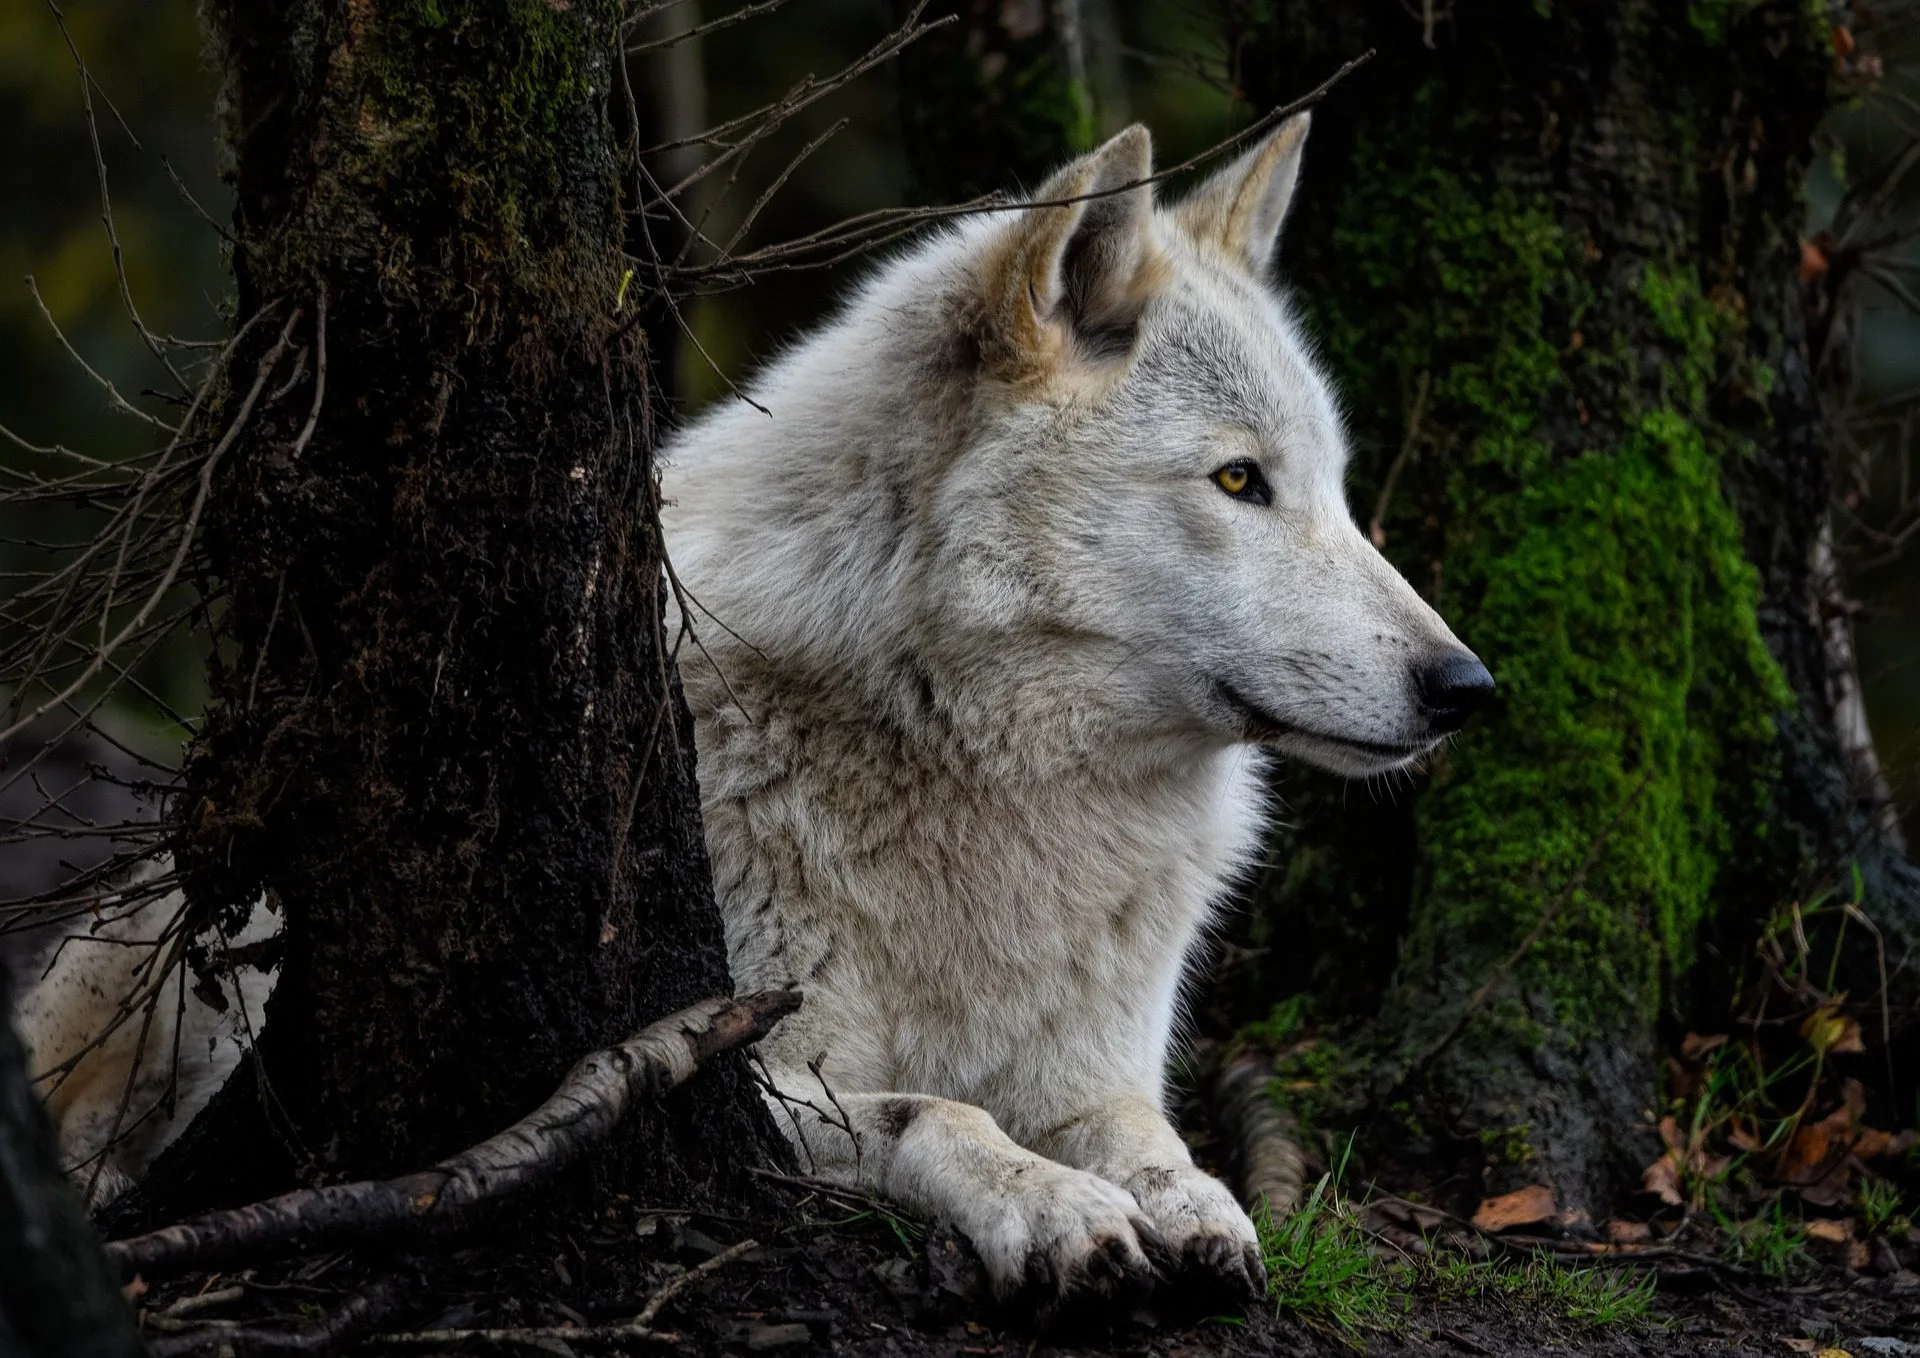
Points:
1243	481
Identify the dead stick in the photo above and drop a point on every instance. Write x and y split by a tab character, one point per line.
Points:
542	1337
637	1330
588	1105
674	1286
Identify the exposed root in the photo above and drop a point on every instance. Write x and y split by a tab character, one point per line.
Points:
588	1105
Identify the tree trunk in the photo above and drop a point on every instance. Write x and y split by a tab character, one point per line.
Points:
1548	250
58	1293
994	100
448	738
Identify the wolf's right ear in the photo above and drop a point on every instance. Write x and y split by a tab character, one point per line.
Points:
1240	208
1078	273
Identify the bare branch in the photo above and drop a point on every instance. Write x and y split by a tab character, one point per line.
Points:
590	1102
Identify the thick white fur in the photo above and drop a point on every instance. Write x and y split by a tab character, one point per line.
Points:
967	602
117	1095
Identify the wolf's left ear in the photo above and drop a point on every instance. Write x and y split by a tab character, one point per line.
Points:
1240	209
1079	271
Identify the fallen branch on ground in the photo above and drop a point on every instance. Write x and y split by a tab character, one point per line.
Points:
588	1105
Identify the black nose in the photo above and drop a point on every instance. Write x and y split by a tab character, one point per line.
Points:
1452	690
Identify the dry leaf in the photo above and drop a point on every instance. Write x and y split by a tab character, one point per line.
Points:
1628	1232
1800	1345
1683	1080
1813	261
1828	1231
1859	1255
1528	1206
1662	1179
1805	1153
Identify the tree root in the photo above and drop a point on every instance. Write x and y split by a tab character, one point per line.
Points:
1271	1166
588	1105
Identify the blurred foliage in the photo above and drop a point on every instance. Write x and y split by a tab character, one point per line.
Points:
1172	66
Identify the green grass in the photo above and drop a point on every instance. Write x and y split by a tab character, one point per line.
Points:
1595	1297
1323	1267
1880	1208
1769	1242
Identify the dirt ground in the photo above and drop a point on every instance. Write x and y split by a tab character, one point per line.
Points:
828	1277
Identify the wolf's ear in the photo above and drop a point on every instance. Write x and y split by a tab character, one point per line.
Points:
1080	271
1240	209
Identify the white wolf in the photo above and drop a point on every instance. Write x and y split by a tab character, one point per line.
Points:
1043	546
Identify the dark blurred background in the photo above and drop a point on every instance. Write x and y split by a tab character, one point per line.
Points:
1166	65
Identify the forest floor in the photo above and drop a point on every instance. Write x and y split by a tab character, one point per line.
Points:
833	1275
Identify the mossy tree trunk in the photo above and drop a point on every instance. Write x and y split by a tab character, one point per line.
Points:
995	99
1550	260
448	736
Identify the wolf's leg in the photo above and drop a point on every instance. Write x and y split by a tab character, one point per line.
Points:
1036	1224
1126	1139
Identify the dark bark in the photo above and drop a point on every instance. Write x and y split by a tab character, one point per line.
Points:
447	735
994	100
1550	258
58	1294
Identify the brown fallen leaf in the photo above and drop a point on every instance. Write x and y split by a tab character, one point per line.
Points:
1829	1231
1662	1179
1529	1206
1628	1232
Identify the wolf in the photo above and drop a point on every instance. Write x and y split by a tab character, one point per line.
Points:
1007	585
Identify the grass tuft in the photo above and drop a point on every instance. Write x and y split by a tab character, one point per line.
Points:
1322	1268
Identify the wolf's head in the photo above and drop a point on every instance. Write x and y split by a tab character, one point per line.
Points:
1076	461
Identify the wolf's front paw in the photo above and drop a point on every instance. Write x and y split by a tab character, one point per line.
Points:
1060	1234
1210	1241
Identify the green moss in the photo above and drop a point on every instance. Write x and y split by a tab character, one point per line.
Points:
1507	1145
1589	555
475	139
